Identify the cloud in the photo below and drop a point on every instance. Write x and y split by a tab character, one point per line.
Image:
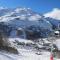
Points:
55	13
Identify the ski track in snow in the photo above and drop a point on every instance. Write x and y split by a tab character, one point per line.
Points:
6	56
26	54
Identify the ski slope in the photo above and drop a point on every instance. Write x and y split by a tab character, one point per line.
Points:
25	55
26	52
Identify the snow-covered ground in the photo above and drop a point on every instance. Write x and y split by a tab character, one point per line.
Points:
27	54
57	42
24	55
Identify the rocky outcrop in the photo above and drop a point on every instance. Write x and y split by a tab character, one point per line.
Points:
6	45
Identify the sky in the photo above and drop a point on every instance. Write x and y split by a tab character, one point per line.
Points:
41	6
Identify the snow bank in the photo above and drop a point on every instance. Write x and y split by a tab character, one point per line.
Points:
21	40
57	42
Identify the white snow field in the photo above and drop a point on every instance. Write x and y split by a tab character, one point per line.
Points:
26	53
58	43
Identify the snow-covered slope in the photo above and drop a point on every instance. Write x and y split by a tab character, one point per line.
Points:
22	17
24	56
55	22
55	14
53	17
26	53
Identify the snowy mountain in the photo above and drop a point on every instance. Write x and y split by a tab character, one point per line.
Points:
53	17
55	14
23	18
55	22
35	25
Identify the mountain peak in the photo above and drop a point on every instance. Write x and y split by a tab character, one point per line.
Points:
22	9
